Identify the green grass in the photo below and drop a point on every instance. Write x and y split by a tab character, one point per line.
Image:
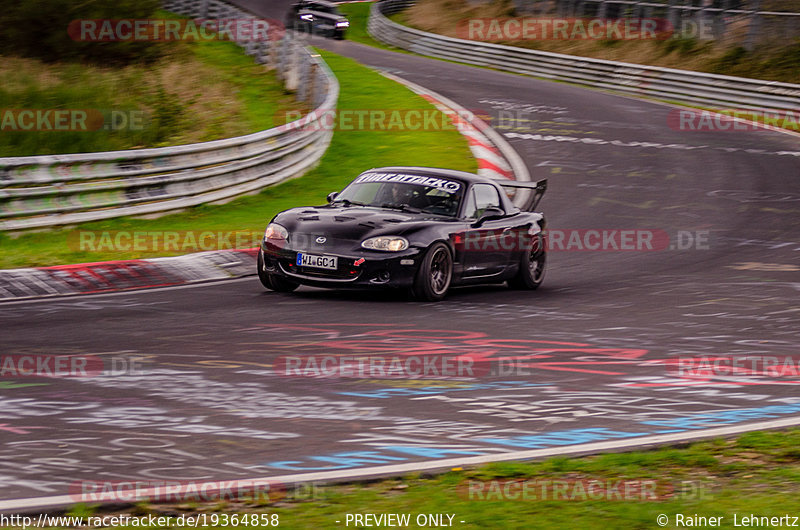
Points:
262	96
197	91
358	15
351	152
759	473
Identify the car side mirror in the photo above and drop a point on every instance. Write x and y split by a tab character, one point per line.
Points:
489	214
332	196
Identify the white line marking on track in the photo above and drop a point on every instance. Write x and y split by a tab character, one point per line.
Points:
399	469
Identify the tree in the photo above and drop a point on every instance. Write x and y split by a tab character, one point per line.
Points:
38	28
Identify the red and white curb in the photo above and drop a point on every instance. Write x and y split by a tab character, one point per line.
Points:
109	276
491	162
496	158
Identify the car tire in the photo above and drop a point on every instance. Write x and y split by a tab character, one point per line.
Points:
434	275
273	282
531	266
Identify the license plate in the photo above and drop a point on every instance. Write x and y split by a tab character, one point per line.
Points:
317	262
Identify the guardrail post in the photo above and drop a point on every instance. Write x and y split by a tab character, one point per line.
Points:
212	10
602	10
303	79
754	26
262	52
274	54
282	57
292	67
720	25
311	82
672	15
324	87
700	18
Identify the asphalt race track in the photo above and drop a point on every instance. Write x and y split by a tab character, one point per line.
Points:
601	349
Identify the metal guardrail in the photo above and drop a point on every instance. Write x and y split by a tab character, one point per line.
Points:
51	190
645	9
695	88
722	19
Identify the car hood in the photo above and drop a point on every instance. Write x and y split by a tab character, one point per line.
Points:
351	223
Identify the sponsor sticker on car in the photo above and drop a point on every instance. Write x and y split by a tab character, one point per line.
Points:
448	186
317	262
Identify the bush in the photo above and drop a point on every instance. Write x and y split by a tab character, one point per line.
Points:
38	28
683	46
785	59
169	112
729	60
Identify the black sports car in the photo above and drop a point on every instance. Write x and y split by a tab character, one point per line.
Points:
409	227
318	17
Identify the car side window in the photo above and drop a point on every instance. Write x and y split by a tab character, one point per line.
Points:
469	204
481	197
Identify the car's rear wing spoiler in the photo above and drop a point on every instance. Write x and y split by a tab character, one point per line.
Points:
538	188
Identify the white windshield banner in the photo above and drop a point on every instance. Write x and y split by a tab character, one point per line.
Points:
448	186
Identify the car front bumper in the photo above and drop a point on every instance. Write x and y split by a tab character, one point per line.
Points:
359	270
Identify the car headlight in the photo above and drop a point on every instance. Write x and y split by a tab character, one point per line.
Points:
276	232
387	243
343	24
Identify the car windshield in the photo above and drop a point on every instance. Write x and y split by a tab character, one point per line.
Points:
322	8
413	193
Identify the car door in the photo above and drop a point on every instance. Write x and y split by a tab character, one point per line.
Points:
485	249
